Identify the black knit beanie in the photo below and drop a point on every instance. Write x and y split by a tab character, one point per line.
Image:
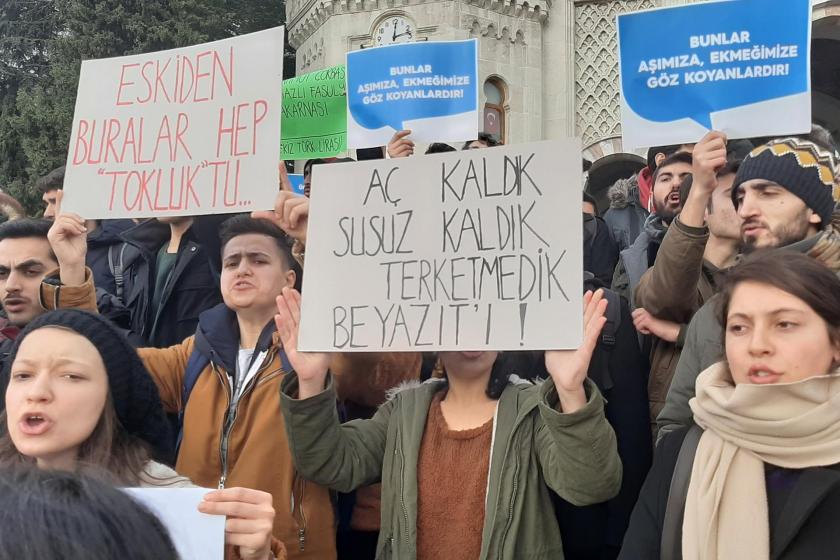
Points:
800	166
133	392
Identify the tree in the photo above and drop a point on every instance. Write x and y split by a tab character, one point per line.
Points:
26	28
42	44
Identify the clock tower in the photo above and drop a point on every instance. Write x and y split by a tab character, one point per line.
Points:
393	29
547	68
511	47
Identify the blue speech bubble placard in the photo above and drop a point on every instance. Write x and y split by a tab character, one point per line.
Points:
690	62
389	86
296	180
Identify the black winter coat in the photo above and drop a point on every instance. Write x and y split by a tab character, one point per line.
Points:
803	513
192	288
600	250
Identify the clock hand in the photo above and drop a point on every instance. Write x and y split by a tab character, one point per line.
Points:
395	30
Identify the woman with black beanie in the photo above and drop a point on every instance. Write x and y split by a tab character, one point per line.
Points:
79	399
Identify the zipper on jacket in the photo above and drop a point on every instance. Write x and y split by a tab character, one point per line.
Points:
230	416
402	487
230	419
509	521
222	442
302	522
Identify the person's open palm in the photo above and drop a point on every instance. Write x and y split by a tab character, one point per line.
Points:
311	367
568	368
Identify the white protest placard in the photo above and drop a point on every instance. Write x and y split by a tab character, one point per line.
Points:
182	132
196	535
470	250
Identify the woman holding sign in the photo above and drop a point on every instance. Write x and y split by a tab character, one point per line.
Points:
466	466
79	399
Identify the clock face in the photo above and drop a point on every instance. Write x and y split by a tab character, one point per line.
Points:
394	29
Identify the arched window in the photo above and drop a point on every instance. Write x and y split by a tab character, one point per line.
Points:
494	108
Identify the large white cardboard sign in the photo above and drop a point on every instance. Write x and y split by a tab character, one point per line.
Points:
182	132
469	250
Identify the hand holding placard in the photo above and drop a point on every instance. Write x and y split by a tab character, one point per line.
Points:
68	239
311	367
291	214
708	157
250	519
401	145
568	368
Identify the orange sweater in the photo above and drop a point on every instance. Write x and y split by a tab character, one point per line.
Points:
452	474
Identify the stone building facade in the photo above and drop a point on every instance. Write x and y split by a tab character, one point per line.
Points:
550	66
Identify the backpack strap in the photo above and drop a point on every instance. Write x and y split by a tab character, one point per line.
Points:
284	361
671	543
608	333
195	365
117	269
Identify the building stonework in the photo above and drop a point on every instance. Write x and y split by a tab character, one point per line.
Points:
596	80
555	59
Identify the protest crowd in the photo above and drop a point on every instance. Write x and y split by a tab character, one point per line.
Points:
697	418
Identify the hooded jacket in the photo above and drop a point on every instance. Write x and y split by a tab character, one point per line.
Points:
191	289
627	213
241	444
634	261
534	448
704	337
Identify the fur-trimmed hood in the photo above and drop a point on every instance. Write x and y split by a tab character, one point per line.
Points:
624	192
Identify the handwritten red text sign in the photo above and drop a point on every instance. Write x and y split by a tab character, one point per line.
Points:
182	132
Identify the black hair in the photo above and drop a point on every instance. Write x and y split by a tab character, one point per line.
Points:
730	168
25	228
51	181
484	137
244	224
667	151
310	163
591	200
677	157
500	372
54	514
499	377
307	166
439	148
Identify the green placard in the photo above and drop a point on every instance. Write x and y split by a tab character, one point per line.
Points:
314	121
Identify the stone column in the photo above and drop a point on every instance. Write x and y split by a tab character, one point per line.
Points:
558	107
